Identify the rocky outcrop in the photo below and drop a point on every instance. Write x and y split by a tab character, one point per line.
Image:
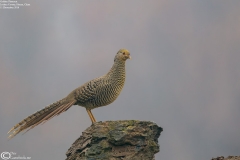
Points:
117	140
227	158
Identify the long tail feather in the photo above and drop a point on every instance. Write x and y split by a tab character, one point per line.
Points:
52	114
40	117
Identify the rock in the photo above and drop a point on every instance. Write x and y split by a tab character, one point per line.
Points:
117	140
228	158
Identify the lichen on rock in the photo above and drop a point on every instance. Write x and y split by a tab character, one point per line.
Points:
117	140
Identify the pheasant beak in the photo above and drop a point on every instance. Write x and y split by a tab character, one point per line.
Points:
129	57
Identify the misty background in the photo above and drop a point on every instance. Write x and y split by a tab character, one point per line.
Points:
184	73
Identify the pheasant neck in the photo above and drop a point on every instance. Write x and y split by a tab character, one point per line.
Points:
117	71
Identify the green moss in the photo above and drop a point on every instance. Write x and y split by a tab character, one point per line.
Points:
104	144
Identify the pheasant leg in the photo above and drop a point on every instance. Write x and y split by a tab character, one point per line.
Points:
91	116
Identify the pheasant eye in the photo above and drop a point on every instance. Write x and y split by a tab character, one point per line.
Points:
123	53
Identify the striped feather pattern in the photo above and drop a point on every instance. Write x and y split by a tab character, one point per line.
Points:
95	93
103	90
40	116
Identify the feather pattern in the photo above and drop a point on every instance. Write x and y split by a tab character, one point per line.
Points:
40	116
95	93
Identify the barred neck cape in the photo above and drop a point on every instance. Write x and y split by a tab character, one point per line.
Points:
98	92
116	76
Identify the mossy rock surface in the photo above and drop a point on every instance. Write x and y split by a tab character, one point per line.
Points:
117	140
227	158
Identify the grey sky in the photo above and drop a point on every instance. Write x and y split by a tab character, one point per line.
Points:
184	73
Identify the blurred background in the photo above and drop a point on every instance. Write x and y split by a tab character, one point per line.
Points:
184	73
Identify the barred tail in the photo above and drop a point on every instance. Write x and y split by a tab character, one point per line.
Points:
41	116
